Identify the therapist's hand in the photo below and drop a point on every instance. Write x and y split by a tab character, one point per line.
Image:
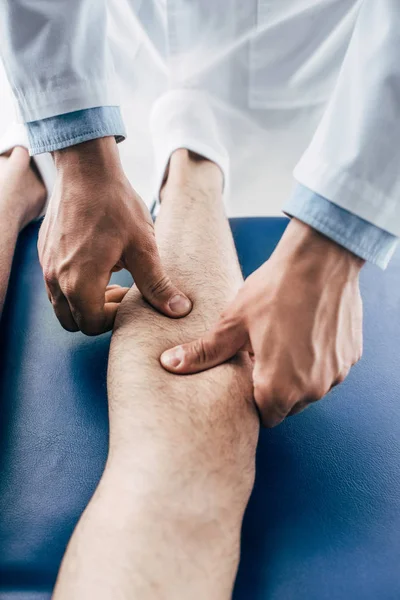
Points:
96	224
299	314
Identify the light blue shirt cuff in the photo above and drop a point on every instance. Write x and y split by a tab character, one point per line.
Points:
364	239
73	128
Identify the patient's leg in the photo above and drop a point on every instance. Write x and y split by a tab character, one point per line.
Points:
165	520
22	195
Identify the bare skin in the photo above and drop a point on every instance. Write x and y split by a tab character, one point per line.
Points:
96	224
22	195
302	343
299	315
165	520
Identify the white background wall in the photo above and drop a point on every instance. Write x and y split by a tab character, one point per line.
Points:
259	186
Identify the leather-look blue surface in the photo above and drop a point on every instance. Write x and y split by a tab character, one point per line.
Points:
324	518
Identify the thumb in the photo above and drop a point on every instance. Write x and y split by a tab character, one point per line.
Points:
217	346
154	284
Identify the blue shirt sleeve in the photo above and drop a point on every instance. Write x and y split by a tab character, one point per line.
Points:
364	239
75	127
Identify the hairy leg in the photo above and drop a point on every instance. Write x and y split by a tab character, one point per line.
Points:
22	195
165	520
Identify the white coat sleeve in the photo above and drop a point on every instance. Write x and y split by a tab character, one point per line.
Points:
354	158
56	56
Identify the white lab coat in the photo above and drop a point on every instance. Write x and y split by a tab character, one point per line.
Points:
312	82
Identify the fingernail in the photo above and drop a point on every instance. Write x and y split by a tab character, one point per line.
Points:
180	304
172	358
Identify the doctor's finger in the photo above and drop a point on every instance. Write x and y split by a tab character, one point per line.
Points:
91	310
145	266
115	293
61	308
216	347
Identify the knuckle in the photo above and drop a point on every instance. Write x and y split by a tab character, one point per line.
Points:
262	393
273	403
343	374
71	291
299	407
228	321
73	282
268	391
340	378
200	351
225	319
273	415
281	407
50	277
315	393
161	286
144	247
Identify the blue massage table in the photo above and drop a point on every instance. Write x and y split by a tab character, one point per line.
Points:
324	519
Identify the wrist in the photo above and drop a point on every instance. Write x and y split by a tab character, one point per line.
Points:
99	155
302	243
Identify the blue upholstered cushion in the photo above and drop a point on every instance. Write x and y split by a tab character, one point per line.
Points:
324	519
